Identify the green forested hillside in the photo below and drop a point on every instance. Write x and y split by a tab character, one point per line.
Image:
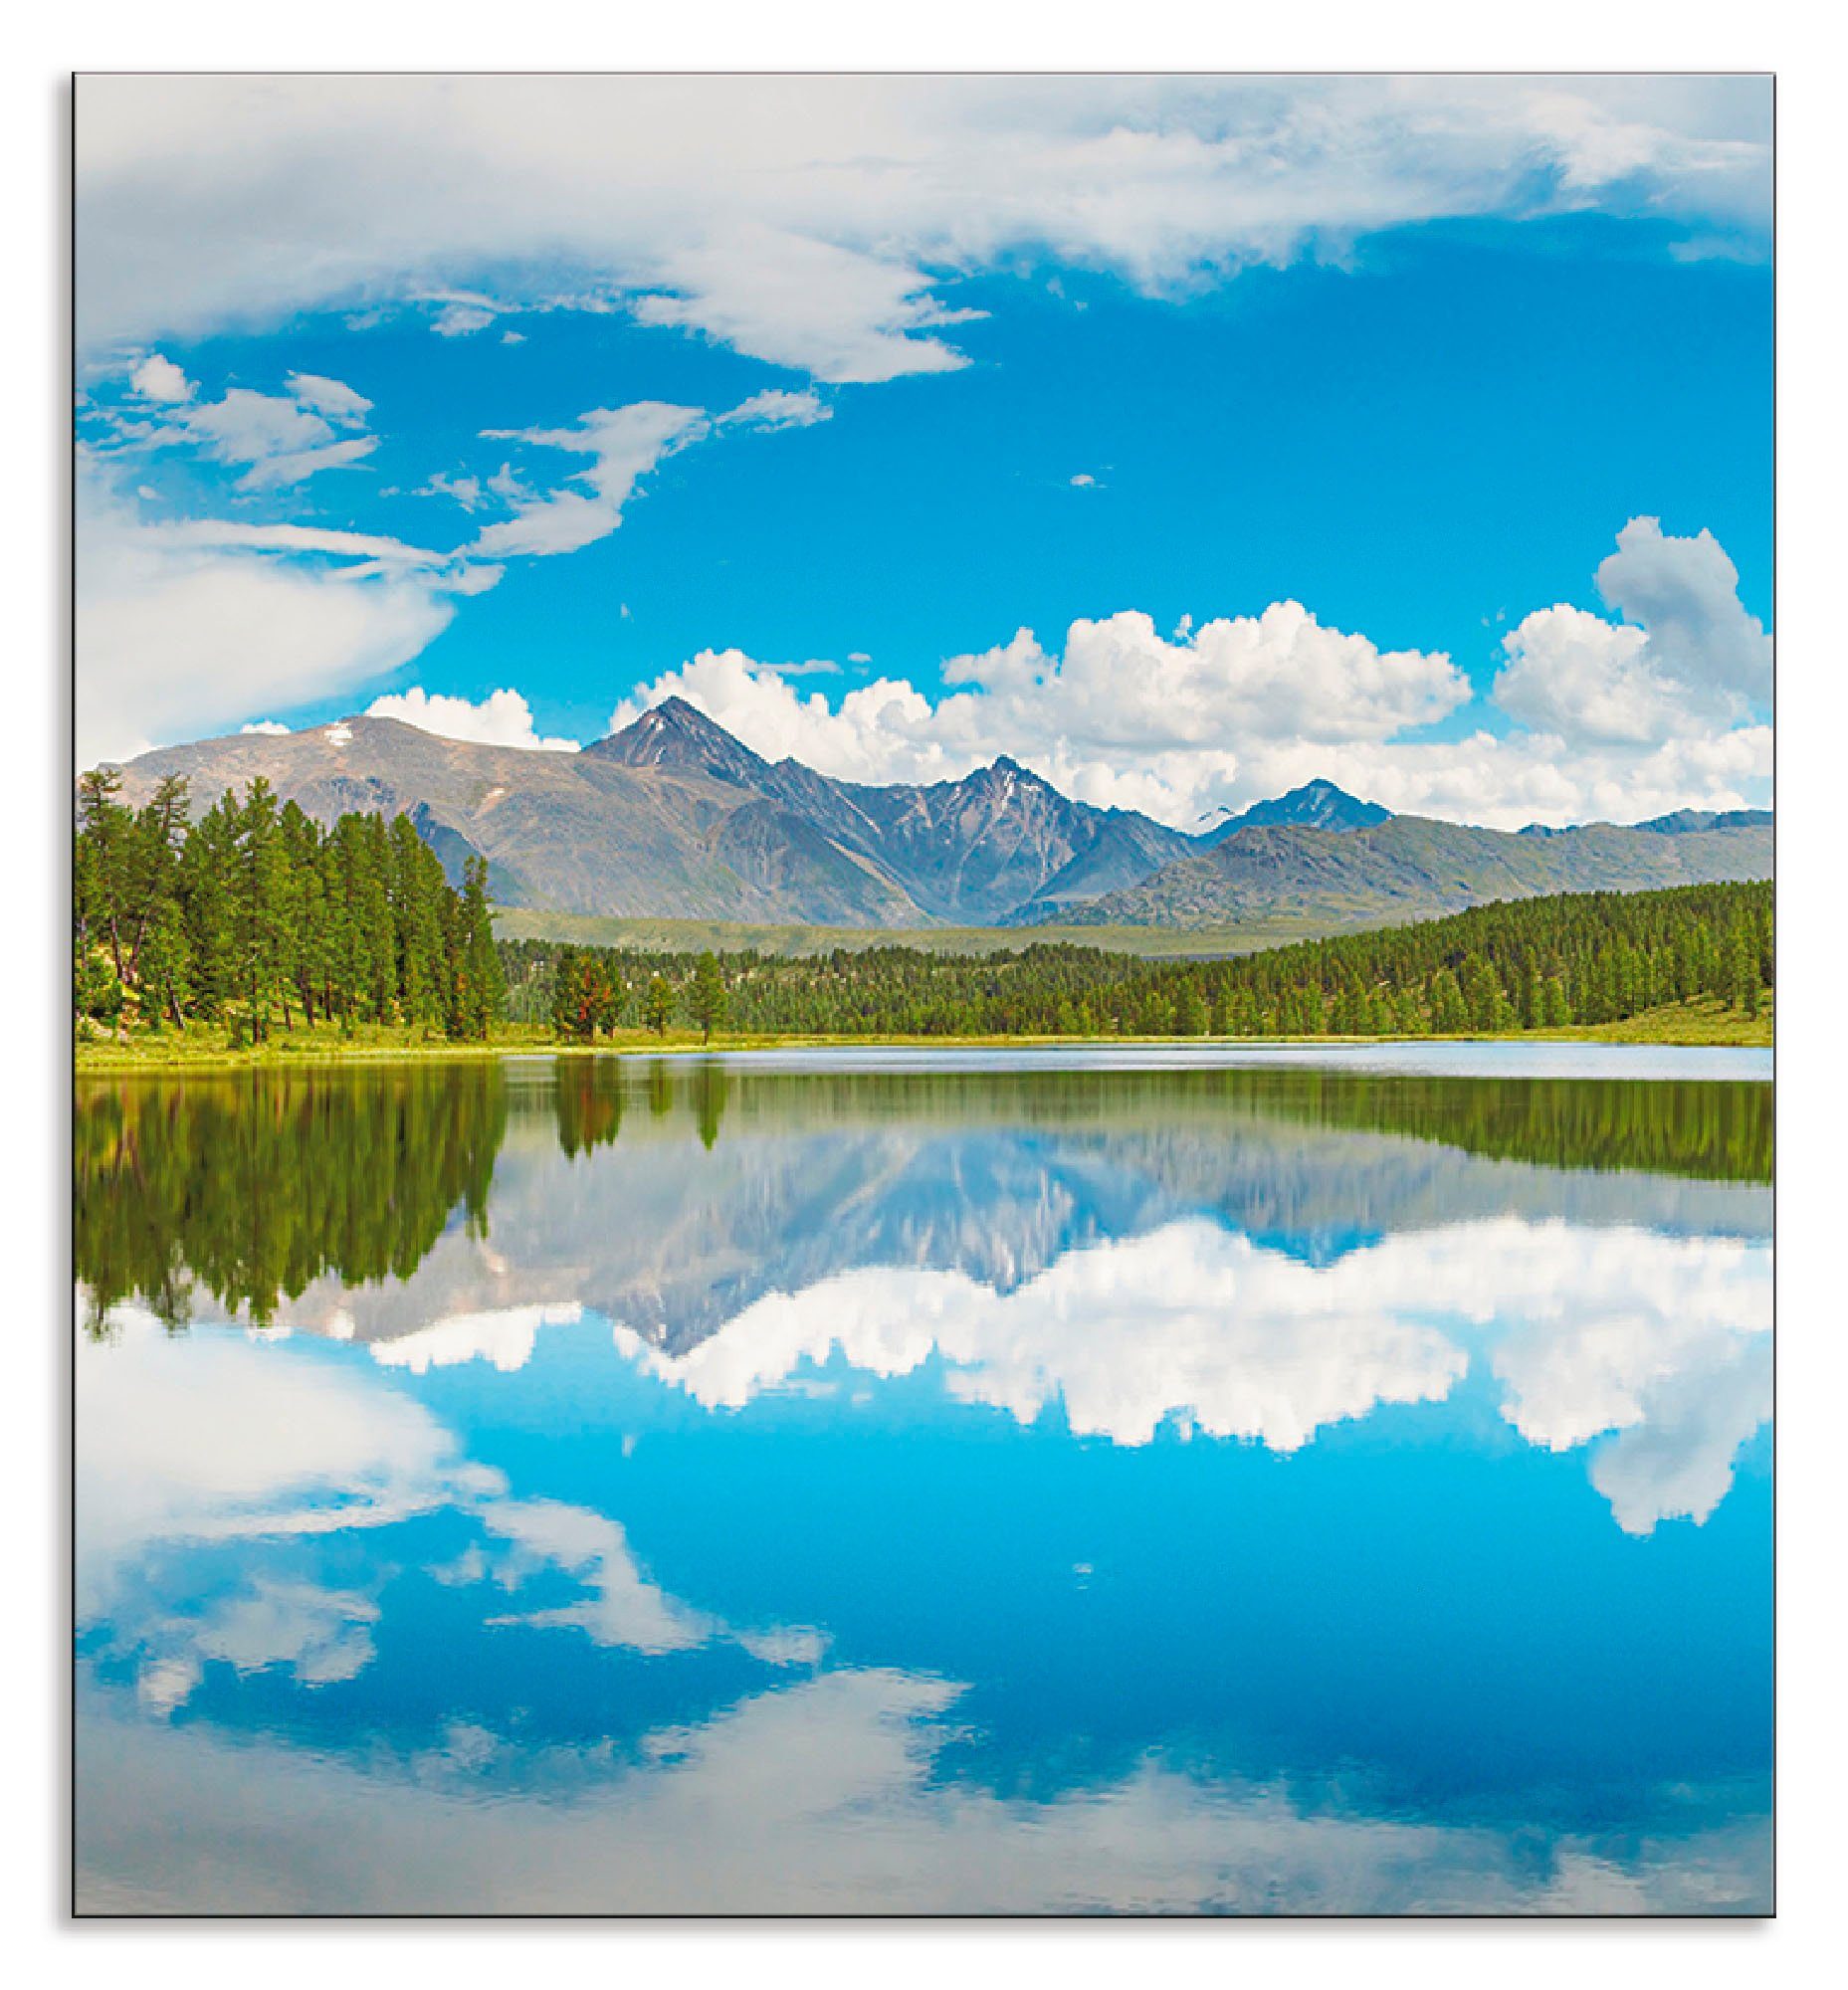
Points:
1540	963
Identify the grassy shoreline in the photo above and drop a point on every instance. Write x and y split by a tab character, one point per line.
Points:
200	1048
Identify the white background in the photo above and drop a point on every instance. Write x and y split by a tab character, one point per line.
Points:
37	1942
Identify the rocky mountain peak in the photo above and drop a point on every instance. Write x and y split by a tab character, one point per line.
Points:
1317	804
677	734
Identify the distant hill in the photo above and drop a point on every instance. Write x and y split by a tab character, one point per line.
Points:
1314	805
1414	867
672	818
1685	820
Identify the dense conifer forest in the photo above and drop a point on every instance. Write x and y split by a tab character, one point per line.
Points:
1528	964
257	918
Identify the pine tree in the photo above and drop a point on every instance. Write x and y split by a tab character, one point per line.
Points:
482	998
658	1005
260	905
707	999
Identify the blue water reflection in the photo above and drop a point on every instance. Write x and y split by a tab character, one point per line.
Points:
1153	1501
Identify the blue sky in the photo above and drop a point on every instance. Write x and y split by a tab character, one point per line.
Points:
843	431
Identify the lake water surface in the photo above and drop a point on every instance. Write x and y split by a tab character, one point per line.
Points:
870	1483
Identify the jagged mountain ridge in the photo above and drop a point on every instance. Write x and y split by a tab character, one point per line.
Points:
671	817
1408	868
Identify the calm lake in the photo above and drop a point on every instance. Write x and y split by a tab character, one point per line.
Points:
863	1481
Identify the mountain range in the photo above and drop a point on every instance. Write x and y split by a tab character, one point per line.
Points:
673	818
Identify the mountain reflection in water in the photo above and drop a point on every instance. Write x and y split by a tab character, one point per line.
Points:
615	1485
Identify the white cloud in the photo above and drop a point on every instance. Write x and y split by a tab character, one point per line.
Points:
277	472
623	445
502	719
824	231
280	439
286	538
332	398
797	301
245	426
776	408
1510	780
1685	593
1572	672
463	490
184	629
272	729
156	378
1687	657
1084	481
808	667
457	321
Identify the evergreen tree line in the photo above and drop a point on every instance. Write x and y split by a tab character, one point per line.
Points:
256	916
1522	964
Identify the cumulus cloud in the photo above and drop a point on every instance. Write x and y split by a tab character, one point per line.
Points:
272	729
830	234
1687	656
156	378
502	719
1685	593
1122	718
1236	708
1117	687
